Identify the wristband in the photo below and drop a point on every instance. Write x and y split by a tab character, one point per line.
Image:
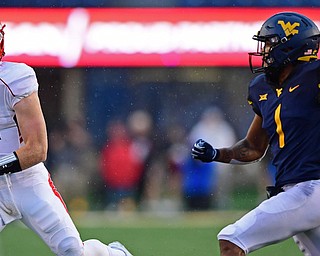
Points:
10	164
215	154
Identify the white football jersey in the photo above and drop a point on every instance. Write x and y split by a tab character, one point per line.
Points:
17	81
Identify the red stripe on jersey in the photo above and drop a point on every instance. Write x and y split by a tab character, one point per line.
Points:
55	191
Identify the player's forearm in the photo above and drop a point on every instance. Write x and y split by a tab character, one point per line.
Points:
30	156
33	131
240	153
22	158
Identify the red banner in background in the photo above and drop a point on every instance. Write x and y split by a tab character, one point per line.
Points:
134	37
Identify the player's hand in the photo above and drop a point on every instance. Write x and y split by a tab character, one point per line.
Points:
203	151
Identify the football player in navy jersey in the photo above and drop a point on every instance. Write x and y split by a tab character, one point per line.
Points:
286	100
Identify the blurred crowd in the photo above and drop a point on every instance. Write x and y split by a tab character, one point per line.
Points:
137	169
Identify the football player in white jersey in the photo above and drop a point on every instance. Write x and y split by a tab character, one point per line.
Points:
26	191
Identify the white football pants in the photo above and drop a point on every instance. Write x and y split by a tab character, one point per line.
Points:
31	197
293	213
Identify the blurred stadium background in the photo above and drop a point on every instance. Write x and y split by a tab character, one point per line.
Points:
142	82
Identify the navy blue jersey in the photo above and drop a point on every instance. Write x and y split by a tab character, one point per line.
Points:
291	117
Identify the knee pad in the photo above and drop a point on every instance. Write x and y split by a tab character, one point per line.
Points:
70	246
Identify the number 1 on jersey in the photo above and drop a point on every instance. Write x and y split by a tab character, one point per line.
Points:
279	126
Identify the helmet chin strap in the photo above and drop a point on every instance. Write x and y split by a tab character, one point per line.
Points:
273	73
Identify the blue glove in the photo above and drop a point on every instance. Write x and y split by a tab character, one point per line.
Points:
203	151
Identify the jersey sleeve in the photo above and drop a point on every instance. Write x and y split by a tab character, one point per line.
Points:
252	98
23	84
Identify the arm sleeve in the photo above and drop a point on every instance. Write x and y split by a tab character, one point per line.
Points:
24	84
254	107
252	101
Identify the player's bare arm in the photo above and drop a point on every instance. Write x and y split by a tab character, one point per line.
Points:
24	145
247	150
33	131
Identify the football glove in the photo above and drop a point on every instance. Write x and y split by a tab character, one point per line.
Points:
203	151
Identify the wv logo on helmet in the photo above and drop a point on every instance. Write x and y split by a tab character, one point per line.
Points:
288	28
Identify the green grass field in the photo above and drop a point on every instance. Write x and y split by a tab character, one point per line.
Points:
145	235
